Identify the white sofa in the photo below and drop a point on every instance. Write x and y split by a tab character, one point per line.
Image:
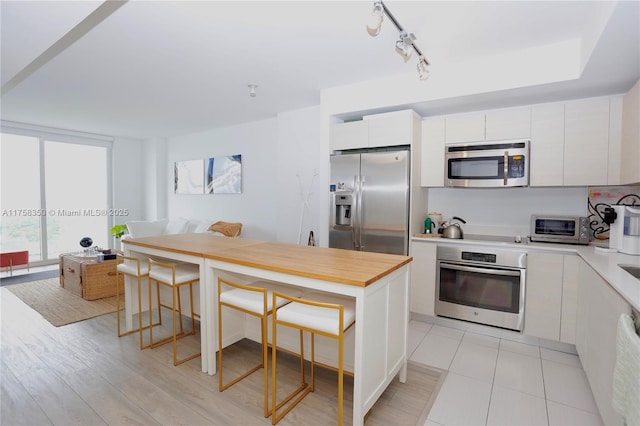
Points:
145	228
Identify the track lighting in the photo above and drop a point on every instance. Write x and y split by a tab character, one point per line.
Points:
423	68
375	21
405	46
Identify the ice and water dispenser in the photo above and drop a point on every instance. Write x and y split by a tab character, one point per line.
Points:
343	204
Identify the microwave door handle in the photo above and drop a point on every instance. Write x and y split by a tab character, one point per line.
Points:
505	169
504	272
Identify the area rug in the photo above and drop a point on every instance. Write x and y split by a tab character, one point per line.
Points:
34	276
60	306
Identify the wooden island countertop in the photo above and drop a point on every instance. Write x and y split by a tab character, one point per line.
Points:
378	283
333	265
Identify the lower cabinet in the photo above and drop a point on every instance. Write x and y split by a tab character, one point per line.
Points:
422	292
551	296
543	300
568	317
598	310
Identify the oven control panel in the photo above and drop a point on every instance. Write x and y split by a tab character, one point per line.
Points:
479	257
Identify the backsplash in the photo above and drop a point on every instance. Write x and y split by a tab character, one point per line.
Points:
602	197
505	211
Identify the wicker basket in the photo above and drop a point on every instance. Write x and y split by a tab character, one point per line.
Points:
88	278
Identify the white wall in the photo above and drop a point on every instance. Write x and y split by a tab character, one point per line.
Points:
274	153
299	162
126	163
255	206
278	155
155	175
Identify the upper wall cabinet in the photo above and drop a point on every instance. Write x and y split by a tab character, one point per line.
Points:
351	135
389	129
630	149
576	143
464	128
512	123
432	161
586	142
547	145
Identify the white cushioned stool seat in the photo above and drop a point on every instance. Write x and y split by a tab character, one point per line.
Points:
253	301
175	276
184	272
131	268
316	313
138	269
316	317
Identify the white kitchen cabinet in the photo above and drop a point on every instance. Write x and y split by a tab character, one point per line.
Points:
422	291
586	142
552	296
350	135
543	300
598	310
615	141
512	123
630	146
568	318
465	128
373	131
546	164
390	129
432	155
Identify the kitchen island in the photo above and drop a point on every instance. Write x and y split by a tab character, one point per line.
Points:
379	283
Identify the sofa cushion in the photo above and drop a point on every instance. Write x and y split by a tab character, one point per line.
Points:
143	228
176	226
196	226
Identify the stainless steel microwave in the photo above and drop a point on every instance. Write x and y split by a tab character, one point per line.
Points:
493	164
560	229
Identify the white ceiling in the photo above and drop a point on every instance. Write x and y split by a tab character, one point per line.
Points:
168	68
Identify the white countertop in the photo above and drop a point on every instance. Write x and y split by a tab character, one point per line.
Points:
604	263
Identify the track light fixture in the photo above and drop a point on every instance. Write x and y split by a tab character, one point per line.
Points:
423	68
405	45
375	21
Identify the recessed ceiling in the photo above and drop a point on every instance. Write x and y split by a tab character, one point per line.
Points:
168	68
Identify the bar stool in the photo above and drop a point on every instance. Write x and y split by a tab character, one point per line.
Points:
173	276
256	300
131	266
321	314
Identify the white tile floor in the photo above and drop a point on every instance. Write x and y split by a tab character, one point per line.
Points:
498	381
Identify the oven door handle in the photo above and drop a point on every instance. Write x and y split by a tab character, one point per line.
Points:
487	271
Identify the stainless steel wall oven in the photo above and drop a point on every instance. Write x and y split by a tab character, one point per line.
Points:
481	284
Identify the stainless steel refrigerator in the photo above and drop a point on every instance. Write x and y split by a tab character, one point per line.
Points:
370	201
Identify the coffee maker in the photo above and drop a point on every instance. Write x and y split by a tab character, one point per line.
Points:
624	231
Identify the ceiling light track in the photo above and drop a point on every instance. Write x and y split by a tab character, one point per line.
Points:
405	45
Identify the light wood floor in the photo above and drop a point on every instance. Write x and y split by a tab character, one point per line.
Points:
84	374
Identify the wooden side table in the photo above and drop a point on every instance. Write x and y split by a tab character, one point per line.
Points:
88	278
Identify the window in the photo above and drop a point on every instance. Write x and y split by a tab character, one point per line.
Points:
53	194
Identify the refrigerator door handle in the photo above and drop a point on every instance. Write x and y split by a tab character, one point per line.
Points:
355	237
360	212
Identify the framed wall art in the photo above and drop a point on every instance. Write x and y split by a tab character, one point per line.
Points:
189	177
224	175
